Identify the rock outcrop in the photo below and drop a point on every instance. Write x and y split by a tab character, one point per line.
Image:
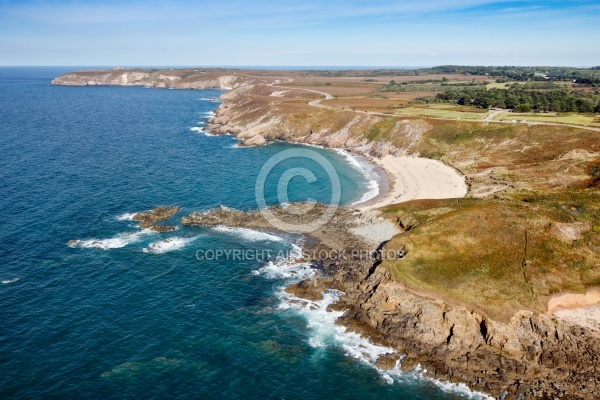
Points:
149	219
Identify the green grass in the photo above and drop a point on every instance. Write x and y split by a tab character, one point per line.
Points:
495	85
574	119
448	111
498	255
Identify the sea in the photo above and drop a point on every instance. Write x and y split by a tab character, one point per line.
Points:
92	306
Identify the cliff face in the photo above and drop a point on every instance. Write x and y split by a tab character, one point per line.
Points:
175	79
265	112
531	356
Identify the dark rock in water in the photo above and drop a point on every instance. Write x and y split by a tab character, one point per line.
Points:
162	228
147	219
311	289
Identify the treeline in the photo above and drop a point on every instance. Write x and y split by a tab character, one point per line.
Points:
426	85
586	76
523	100
545	85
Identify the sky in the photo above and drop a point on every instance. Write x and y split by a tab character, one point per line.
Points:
299	33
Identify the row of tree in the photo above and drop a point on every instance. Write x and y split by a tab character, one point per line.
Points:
570	74
519	100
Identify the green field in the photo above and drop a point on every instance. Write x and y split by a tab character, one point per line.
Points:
444	111
495	85
575	119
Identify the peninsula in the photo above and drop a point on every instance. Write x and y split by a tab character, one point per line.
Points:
494	206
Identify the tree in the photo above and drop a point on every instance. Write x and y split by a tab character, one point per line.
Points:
523	108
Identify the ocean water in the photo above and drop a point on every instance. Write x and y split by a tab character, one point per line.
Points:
93	306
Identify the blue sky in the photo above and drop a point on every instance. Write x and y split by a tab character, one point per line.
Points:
308	32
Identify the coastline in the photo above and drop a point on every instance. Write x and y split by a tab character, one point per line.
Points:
411	178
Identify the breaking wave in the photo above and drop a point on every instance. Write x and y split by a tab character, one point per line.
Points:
126	216
249	234
167	245
117	242
365	168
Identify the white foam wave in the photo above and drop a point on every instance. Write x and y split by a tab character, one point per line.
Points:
117	242
287	267
372	187
197	129
9	281
209	113
126	216
167	245
213	99
249	234
324	332
397	375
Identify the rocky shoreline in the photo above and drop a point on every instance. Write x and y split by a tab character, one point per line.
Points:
532	356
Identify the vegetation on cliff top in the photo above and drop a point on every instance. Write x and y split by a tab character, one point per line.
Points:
500	255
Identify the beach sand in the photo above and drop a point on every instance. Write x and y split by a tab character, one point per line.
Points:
577	309
412	178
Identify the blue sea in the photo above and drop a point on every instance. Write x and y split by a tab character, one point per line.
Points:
92	306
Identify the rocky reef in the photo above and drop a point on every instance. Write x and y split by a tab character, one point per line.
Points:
149	219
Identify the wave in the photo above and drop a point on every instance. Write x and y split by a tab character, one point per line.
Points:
287	267
213	99
167	245
249	234
325	332
418	375
117	242
209	113
126	216
197	129
365	168
9	281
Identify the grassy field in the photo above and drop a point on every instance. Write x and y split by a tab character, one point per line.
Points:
443	111
495	85
575	119
500	255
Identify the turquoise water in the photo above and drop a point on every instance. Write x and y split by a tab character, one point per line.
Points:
122	313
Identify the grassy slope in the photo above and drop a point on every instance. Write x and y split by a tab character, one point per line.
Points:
500	255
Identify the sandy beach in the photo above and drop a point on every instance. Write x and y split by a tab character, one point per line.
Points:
412	178
578	309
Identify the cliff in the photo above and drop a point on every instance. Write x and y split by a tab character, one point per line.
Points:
170	78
